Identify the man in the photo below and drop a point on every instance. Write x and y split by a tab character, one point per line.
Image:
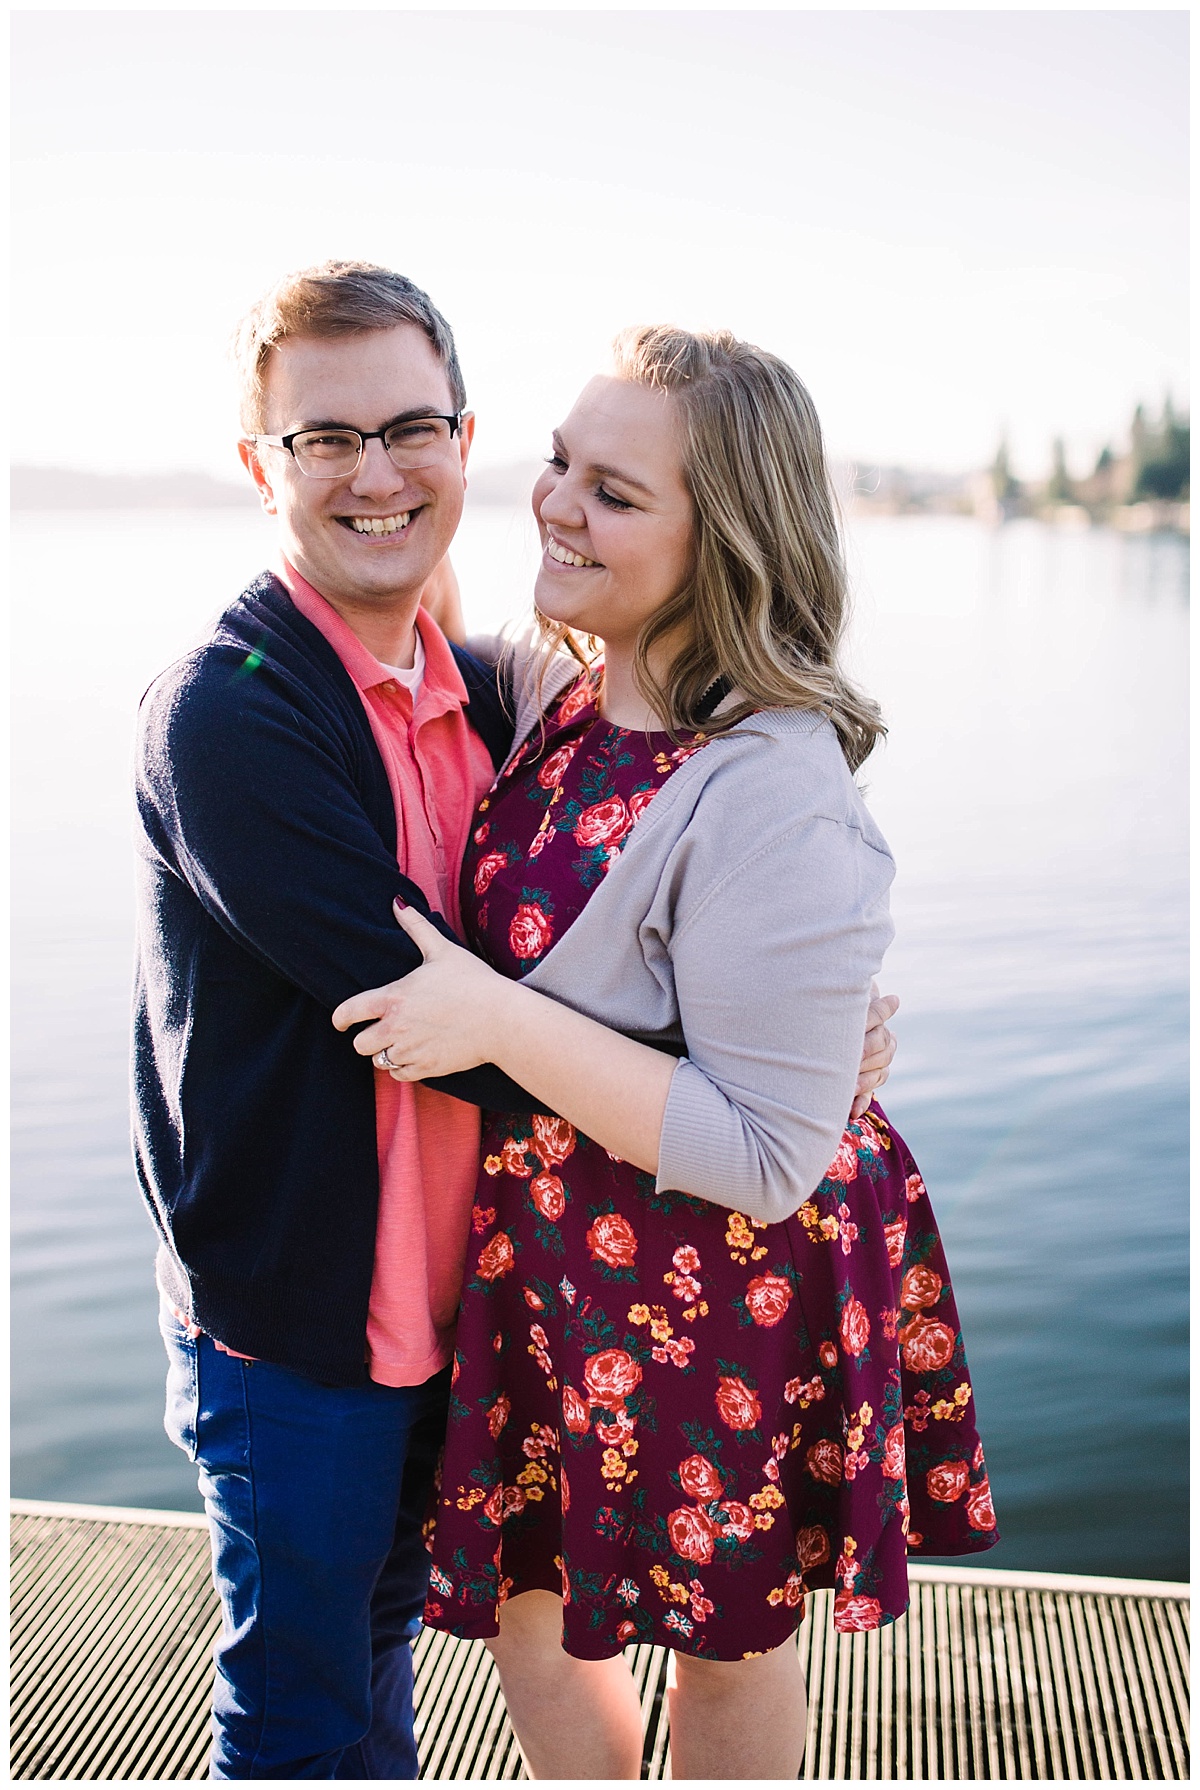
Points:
323	752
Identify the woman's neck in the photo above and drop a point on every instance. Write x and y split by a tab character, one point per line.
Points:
621	702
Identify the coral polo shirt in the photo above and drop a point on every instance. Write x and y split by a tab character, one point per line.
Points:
438	770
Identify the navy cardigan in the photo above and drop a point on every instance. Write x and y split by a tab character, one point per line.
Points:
267	869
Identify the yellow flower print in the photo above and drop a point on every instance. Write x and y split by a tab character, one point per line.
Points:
639	1314
764	1521
660	1576
770	1498
492	1164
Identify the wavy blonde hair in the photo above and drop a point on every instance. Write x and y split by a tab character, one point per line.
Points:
766	605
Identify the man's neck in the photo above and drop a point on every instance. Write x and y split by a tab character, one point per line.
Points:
387	630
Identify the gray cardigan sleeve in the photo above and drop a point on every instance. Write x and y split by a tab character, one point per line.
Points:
772	972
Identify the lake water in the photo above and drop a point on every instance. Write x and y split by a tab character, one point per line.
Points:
1034	790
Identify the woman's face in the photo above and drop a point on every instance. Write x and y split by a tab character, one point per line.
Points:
614	514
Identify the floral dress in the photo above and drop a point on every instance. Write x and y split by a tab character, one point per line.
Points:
678	1417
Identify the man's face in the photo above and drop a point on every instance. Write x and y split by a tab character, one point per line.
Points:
361	382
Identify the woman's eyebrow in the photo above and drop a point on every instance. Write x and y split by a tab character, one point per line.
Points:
605	472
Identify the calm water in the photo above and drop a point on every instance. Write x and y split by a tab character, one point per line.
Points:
1033	789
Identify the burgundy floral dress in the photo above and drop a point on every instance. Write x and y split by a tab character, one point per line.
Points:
678	1417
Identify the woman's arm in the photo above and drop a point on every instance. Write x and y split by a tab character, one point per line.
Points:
456	1012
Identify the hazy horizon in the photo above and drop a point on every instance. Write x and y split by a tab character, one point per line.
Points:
955	225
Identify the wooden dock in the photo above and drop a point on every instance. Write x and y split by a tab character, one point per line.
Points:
990	1675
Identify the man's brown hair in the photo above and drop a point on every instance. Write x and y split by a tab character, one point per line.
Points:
338	298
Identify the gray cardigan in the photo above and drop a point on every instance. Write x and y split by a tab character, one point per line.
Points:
746	914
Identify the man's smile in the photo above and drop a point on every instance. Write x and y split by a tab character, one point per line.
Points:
378	525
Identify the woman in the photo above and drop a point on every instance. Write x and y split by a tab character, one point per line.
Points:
705	1322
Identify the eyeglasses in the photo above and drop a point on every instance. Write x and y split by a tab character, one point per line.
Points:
336	453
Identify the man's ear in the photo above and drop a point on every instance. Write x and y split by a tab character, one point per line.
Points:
248	454
466	435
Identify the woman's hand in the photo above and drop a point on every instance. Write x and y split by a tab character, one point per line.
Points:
442	599
879	1047
445	1016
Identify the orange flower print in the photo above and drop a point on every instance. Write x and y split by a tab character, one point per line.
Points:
546	1192
610	1376
553	1140
575	1412
533	1300
844	1166
497	1417
914	1187
737	1403
980	1513
948	1482
692	1534
612	1240
551	773
855	1327
767	1298
512	1159
739	1519
505	1502
894	1235
920	1287
626	1631
812	1546
496	1257
926	1344
824	1461
828	1354
852	1613
700	1479
893	1452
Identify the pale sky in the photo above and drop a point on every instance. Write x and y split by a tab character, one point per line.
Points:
951	223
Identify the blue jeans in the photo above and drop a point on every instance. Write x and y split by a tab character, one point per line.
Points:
315	1498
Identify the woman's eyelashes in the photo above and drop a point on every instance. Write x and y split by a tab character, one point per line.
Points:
558	464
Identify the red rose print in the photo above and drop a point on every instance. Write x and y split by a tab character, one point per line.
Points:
927	1345
639	801
553	1140
894	1235
977	1457
603	823
575	1412
626	1631
533	1300
550	775
740	1523
980	1514
947	1482
496	1258
505	1502
610	1377
824	1462
893	1453
844	1166
692	1534
497	1417
574	702
855	1327
512	1159
612	1240
546	1192
564	1489
851	1613
920	1287
486	869
737	1404
700	1479
812	1546
529	932
767	1298
828	1354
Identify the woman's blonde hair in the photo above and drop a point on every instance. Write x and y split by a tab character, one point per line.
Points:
766	604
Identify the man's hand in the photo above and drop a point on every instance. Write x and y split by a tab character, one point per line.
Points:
879	1047
443	600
